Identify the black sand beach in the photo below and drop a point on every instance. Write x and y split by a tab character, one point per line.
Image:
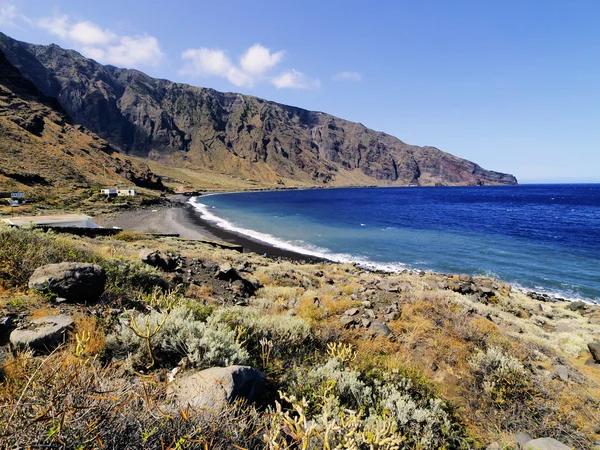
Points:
183	219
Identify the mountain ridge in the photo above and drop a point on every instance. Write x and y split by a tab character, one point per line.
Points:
40	149
231	133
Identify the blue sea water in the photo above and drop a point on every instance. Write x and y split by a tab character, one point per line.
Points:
539	237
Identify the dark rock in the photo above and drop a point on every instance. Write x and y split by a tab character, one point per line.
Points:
158	259
545	444
6	326
485	291
70	280
577	306
379	329
212	388
226	273
594	348
42	334
542	297
348	321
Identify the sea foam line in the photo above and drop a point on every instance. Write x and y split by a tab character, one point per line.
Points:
308	250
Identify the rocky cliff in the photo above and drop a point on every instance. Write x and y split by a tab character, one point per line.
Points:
232	133
40	148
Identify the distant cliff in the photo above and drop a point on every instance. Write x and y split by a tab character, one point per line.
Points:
232	133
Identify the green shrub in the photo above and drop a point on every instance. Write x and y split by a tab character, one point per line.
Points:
130	278
388	400
501	376
204	344
22	250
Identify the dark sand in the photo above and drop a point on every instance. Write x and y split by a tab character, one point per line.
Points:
183	219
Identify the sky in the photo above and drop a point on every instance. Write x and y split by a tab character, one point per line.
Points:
512	85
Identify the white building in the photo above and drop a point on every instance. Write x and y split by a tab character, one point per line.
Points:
126	192
120	192
57	220
17	195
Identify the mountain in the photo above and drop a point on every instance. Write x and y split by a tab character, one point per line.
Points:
231	133
41	150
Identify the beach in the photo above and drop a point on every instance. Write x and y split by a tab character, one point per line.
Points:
181	218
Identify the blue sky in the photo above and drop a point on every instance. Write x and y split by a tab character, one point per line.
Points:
511	85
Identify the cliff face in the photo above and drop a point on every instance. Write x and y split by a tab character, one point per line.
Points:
231	133
40	148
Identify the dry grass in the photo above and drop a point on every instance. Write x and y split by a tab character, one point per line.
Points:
43	311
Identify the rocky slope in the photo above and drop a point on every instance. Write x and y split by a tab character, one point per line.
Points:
232	133
40	149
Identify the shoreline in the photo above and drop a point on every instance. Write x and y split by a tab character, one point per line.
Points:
184	219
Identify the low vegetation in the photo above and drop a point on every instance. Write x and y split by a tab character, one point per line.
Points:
453	374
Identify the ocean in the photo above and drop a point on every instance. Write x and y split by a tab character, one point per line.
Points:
544	238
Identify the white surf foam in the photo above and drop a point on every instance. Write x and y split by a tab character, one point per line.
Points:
304	249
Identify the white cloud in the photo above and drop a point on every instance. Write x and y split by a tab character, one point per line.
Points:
295	80
8	13
104	45
258	59
88	33
143	50
347	76
206	62
254	66
57	25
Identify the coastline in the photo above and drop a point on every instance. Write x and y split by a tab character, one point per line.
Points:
182	218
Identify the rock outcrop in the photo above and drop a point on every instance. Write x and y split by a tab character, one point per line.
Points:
72	281
232	133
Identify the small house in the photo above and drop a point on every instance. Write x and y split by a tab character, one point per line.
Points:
119	192
17	195
126	192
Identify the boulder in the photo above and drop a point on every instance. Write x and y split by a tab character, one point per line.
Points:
71	280
545	444
42	334
348	321
158	259
521	438
212	388
577	305
378	328
226	273
493	446
594	348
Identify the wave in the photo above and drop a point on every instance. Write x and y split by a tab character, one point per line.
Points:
305	249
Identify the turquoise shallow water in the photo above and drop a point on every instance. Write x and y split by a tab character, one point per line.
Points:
539	237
